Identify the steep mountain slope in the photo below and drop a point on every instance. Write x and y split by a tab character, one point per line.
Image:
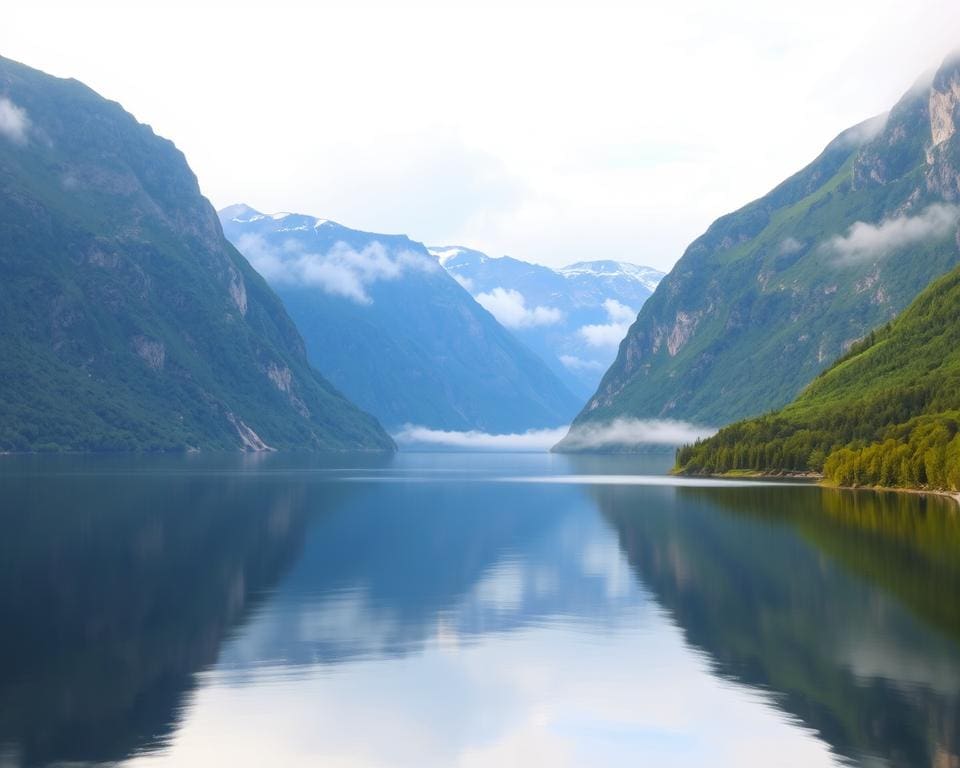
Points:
394	331
129	322
888	413
573	317
770	294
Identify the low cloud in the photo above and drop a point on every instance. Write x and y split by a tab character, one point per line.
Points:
610	334
574	363
531	441
789	245
510	309
341	271
465	282
621	433
865	242
14	123
865	131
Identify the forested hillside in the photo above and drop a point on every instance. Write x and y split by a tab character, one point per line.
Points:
887	413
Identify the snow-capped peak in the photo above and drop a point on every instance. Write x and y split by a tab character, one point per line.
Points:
647	276
446	253
241	213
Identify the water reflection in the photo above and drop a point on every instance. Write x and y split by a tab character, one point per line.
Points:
400	564
852	623
433	610
116	586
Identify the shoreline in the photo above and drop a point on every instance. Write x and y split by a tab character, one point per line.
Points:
818	479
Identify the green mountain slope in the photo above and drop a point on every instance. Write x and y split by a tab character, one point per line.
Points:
770	294
888	413
129	322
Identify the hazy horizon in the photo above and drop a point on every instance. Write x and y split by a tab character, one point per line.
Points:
553	134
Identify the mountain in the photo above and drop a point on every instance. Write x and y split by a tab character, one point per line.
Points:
394	331
130	323
888	413
574	317
771	294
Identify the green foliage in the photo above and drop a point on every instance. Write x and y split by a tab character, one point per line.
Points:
761	303
886	414
129	322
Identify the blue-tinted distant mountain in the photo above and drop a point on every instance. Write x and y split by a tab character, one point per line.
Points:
129	322
395	331
573	317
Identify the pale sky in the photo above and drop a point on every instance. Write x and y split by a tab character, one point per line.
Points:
552	132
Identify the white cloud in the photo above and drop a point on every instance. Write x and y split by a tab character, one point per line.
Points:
14	123
618	433
632	432
864	242
789	245
580	169
610	334
510	309
465	282
341	271
872	127
534	440
574	363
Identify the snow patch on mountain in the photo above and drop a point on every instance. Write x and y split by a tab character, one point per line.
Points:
574	317
647	276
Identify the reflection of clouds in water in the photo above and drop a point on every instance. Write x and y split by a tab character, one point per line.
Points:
545	581
502	587
574	573
552	655
551	696
602	558
872	657
346	620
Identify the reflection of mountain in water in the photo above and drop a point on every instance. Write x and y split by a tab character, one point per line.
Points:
857	635
124	582
403	564
115	590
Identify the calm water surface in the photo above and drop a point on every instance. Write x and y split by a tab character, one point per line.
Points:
468	610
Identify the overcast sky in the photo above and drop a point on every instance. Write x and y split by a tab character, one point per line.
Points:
554	132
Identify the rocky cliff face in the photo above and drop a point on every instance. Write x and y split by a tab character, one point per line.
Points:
772	293
130	323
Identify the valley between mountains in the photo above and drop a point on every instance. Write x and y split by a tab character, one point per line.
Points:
816	327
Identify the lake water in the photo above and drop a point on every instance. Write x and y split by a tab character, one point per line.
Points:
468	610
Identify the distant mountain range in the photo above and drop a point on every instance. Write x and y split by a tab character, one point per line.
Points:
574	317
129	322
771	294
394	331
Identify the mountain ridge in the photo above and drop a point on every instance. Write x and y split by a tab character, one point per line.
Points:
572	316
763	301
130	322
392	329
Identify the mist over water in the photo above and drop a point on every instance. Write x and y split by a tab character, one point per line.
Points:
622	434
